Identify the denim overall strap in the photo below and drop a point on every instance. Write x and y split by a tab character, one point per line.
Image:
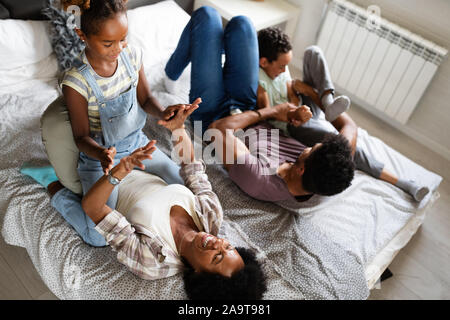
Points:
83	68
122	117
129	67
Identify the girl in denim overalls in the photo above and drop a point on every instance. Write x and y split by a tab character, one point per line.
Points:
104	30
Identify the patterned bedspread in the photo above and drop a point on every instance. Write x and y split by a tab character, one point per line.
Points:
319	251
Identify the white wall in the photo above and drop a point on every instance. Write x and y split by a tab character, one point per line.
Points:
430	122
307	26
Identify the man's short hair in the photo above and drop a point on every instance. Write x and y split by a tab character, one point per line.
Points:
272	42
249	283
329	169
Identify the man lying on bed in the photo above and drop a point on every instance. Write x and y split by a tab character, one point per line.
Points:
165	229
312	156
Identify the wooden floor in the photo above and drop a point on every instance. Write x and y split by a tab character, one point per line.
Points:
421	270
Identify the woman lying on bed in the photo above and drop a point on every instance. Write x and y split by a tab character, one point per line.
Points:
167	228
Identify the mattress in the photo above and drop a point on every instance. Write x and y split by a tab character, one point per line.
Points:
384	257
332	247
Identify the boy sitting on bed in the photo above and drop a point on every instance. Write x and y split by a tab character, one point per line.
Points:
317	143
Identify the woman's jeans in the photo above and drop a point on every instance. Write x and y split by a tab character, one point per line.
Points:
221	88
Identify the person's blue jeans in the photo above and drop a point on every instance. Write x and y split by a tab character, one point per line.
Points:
68	204
222	89
90	170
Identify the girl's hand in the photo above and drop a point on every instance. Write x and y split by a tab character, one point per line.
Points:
107	159
128	163
178	120
171	111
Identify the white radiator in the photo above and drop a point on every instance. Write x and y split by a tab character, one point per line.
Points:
381	66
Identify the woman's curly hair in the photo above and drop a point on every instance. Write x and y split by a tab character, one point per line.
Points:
272	42
249	283
94	12
329	169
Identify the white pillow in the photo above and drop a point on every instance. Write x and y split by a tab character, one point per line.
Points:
156	29
23	42
26	50
11	80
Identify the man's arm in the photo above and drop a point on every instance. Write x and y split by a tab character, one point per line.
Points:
232	146
348	128
248	118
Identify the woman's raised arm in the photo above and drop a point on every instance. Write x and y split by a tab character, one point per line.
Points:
94	201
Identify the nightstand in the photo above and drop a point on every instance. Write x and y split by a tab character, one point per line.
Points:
263	14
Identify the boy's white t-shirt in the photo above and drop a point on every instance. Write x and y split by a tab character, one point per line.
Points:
275	88
277	91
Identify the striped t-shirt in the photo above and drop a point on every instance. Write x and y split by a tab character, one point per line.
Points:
111	87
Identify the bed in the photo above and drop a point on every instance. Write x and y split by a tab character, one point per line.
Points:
330	248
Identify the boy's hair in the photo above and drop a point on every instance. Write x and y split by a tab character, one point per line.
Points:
249	283
94	12
272	42
329	170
